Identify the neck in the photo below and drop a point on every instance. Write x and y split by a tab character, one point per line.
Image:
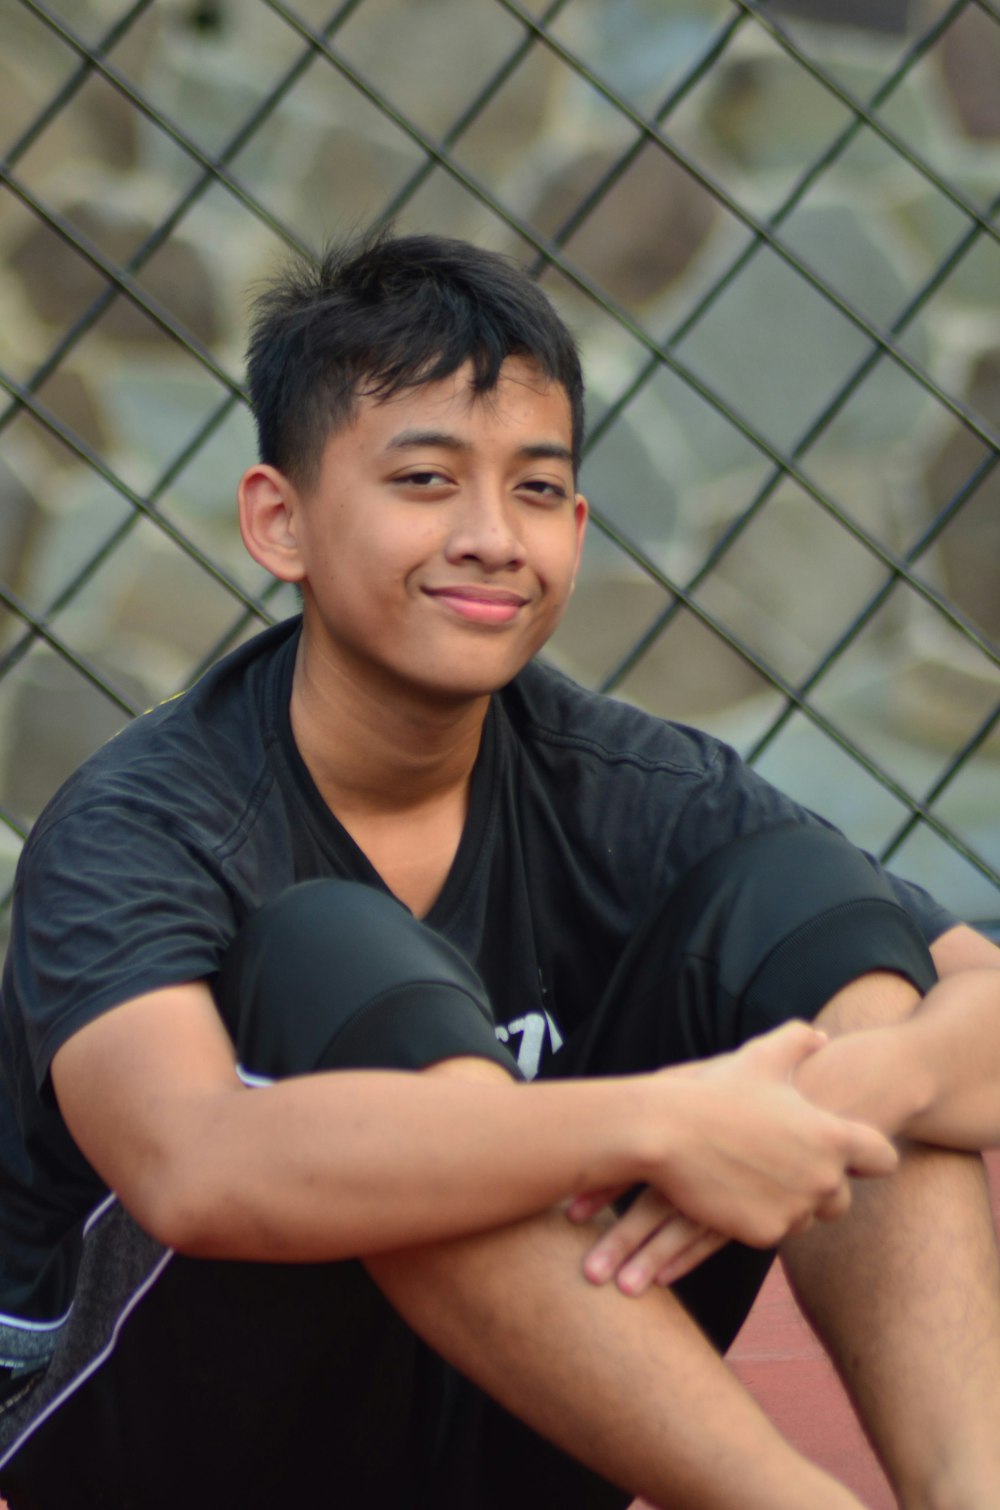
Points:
372	749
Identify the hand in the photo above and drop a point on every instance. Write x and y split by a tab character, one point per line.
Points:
746	1157
653	1243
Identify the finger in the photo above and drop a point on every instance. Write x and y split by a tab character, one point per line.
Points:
660	1253
694	1254
626	1236
583	1208
869	1154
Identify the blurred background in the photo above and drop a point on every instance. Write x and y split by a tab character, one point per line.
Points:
772	228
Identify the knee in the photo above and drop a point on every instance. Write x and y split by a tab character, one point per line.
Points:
847	947
795	915
336	975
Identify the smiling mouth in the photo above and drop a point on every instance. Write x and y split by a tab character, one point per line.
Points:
479	604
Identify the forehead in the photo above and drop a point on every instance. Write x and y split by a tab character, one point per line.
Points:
523	401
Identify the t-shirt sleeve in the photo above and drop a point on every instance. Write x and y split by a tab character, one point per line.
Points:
732	800
109	903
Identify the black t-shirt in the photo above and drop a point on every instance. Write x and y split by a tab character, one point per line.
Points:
583	812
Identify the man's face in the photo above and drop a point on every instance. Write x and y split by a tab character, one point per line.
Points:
440	540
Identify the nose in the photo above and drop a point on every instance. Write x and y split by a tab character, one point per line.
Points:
484	530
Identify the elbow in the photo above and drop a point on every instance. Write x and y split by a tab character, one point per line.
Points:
199	1209
183	1186
176	1208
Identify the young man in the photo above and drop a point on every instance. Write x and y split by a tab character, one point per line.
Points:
284	1220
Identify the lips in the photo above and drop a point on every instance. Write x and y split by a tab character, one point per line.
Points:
479	603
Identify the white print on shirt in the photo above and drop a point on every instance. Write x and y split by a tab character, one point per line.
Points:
532	1028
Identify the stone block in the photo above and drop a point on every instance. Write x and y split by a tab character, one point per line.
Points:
60	283
667	213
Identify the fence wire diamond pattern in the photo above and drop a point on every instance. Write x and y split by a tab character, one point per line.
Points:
774	229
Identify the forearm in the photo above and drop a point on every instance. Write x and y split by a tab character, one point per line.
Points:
630	1387
328	1165
337	1165
355	1163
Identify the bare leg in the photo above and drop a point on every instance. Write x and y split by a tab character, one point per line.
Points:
628	1386
905	1293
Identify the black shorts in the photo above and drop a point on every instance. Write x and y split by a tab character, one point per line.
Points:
206	1384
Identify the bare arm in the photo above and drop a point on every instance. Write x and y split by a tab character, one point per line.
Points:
934	1077
358	1162
962	948
313	1167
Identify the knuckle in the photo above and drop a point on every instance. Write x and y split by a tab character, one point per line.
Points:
773	1230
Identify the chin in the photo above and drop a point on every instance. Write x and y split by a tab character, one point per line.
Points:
467	685
454	692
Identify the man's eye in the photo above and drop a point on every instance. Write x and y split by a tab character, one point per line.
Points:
551	492
424	477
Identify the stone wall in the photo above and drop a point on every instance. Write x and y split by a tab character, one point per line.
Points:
118	179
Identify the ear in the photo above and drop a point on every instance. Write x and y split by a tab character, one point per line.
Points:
269	507
581	513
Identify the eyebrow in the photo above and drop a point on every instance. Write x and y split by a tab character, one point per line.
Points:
406	439
537	451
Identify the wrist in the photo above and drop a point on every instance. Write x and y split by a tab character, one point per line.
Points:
636	1123
661	1112
872	1075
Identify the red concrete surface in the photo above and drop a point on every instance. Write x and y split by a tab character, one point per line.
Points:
782	1364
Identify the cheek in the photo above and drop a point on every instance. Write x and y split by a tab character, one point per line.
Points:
400	555
555	562
362	556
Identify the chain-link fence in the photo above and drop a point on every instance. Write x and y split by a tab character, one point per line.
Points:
773	228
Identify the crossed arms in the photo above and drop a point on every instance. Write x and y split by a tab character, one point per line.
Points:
355	1163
